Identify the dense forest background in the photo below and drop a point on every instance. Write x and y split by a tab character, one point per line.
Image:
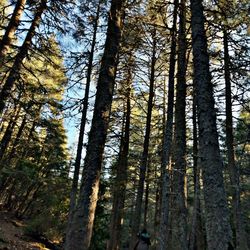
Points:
127	114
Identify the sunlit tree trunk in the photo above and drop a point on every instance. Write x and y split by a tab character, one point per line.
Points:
23	52
167	142
179	210
144	157
11	28
217	216
241	241
77	165
80	232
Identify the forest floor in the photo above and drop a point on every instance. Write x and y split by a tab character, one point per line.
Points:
12	235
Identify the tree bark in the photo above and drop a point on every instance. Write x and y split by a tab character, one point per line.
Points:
23	52
10	29
217	215
196	236
121	178
179	225
80	232
167	141
241	242
144	158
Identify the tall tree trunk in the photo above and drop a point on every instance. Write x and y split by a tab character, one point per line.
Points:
10	29
121	178
241	242
167	141
179	225
23	52
80	232
144	158
217	215
196	237
77	165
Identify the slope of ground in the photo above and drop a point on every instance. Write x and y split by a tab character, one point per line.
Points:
12	235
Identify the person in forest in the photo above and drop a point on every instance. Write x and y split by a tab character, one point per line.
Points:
143	242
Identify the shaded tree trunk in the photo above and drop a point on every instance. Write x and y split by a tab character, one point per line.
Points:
18	137
196	237
157	213
121	178
144	158
8	132
23	200
25	152
23	52
179	225
217	215
6	138
10	194
29	202
241	241
145	220
167	141
80	232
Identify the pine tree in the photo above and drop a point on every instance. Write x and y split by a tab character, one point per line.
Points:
217	216
179	224
74	190
80	231
21	55
144	157
167	140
